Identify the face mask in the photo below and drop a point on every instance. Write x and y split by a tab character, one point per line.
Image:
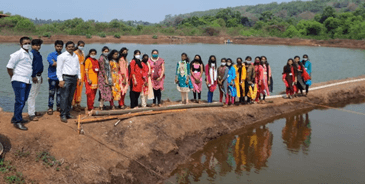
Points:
94	56
248	61
26	47
154	55
264	61
81	48
213	65
145	60
137	56
223	64
229	64
106	53
124	55
305	59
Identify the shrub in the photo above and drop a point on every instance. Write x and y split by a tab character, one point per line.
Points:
154	36
47	34
211	31
88	36
116	35
25	25
291	32
102	34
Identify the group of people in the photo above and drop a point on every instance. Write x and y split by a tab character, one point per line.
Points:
112	75
247	81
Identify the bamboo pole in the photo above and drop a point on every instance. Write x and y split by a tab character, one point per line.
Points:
171	107
126	116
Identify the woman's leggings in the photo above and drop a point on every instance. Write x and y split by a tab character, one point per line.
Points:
306	88
157	98
199	95
210	97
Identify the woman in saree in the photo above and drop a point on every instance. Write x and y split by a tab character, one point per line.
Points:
123	76
259	71
240	79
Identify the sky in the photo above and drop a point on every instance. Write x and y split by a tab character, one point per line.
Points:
146	10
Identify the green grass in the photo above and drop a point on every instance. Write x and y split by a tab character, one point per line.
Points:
47	159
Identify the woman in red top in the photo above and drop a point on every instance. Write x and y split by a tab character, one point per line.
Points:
259	70
138	72
290	78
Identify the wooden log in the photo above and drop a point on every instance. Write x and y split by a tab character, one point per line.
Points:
79	124
126	116
171	107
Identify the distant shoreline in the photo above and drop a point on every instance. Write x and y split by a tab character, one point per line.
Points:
147	39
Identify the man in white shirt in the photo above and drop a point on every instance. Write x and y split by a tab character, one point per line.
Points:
68	73
20	71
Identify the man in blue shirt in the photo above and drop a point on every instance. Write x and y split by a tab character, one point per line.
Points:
36	77
52	77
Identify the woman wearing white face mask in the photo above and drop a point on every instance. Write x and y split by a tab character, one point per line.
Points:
222	81
78	92
211	76
138	77
91	78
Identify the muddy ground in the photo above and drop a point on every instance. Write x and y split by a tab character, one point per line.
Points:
138	150
147	39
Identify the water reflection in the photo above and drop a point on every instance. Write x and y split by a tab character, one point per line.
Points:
240	154
297	133
245	153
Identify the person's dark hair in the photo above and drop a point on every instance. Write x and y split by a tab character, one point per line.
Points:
90	51
245	63
210	60
239	58
199	61
259	63
23	38
248	57
229	59
138	61
224	59
296	57
37	42
110	55
80	42
69	43
144	55
122	49
104	48
58	42
305	55
287	68
154	50
187	57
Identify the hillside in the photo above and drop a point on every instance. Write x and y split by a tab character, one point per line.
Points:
293	9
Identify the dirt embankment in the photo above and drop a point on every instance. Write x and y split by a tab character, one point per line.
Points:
121	154
147	39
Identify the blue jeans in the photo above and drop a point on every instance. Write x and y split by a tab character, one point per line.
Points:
21	91
67	94
210	97
54	89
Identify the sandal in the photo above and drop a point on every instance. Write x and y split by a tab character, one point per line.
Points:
50	111
33	118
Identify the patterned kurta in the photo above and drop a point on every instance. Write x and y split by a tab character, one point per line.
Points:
123	76
114	69
105	89
156	68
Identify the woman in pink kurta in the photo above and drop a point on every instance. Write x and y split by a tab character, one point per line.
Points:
197	70
147	90
211	77
259	70
157	65
123	78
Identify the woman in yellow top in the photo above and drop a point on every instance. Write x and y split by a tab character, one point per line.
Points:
240	79
78	92
91	78
114	69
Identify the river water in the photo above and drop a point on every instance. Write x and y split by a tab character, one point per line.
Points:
318	146
328	64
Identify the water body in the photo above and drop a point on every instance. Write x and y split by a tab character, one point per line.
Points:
318	146
328	64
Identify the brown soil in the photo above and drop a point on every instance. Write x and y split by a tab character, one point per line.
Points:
109	154
147	39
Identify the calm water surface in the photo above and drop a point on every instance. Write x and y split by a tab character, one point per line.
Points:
328	64
319	146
